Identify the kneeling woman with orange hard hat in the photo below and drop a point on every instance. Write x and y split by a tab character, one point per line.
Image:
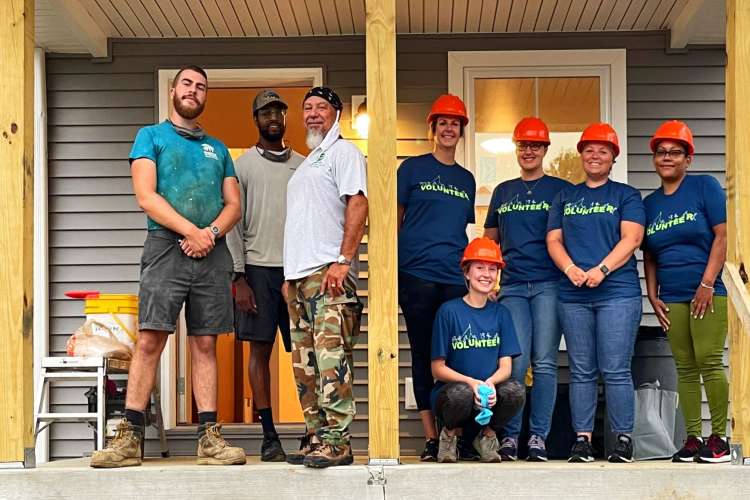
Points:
685	249
473	342
435	204
517	218
593	231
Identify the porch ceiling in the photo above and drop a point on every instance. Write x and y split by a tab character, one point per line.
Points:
84	25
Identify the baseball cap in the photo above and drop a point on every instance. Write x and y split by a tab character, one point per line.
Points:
266	97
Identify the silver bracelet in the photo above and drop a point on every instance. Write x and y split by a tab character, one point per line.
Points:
706	286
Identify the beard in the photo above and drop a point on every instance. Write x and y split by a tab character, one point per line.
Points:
187	112
272	136
314	138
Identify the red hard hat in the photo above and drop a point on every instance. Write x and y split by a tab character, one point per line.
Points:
673	130
531	129
483	249
448	105
600	132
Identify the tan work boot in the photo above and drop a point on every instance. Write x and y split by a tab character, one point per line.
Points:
329	455
214	450
308	444
123	451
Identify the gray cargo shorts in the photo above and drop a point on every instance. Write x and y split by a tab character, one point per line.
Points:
169	279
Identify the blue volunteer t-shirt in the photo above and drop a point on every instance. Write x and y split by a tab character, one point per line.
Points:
438	203
521	220
190	172
471	340
679	234
590	222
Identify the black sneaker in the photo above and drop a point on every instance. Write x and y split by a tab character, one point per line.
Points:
270	449
509	449
623	452
714	451
466	451
430	451
537	449
689	450
582	450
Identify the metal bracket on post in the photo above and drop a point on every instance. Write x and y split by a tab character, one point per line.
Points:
737	457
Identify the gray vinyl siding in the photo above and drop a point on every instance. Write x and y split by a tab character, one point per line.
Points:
96	229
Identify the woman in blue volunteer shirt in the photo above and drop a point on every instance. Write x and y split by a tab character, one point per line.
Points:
593	231
435	204
517	219
685	249
473	342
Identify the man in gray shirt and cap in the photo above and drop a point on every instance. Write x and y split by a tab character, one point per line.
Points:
257	245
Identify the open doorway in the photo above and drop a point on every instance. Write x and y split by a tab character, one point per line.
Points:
228	117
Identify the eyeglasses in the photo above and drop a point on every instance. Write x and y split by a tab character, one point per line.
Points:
534	147
673	154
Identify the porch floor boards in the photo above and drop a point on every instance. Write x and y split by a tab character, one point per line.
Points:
179	477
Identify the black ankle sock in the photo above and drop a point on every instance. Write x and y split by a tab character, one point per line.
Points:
136	418
205	419
266	420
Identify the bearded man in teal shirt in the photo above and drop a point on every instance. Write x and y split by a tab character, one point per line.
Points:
185	182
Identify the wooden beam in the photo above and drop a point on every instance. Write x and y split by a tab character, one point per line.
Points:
738	215
74	15
683	26
382	333
16	230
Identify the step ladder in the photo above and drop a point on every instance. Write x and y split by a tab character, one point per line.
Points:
93	371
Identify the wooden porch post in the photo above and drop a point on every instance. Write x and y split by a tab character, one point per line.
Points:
738	214
16	230
382	338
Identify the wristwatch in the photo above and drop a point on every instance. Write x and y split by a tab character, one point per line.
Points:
343	260
604	269
215	230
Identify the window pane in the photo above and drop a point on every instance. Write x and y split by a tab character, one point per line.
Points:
566	104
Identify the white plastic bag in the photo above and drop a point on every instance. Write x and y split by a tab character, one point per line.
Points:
88	341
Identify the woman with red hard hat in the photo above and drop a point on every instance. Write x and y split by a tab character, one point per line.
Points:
593	231
684	253
435	205
517	219
473	343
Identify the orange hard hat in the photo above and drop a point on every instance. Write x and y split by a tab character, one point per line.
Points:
673	130
531	129
483	249
600	132
448	105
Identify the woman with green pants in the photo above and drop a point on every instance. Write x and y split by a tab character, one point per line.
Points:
684	252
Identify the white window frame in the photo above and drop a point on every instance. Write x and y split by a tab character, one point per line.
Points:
607	64
224	77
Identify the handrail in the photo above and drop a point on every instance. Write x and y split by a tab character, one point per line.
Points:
738	293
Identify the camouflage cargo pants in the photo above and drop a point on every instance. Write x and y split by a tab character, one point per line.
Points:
324	331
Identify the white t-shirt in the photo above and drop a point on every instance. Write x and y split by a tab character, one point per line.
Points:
316	205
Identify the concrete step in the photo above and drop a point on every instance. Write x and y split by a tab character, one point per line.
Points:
181	478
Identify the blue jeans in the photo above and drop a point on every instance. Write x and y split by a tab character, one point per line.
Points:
533	307
600	338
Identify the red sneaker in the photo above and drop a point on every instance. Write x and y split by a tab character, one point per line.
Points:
714	451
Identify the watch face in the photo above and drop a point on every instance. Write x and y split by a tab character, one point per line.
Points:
215	230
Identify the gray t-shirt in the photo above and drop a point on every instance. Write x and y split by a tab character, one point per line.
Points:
258	238
316	205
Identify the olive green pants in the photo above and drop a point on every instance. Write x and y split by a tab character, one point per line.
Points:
698	350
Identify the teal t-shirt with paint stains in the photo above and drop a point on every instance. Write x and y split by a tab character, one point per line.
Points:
471	339
679	234
519	211
438	203
590	221
189	172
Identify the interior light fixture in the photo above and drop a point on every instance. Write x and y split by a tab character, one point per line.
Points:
361	121
498	145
